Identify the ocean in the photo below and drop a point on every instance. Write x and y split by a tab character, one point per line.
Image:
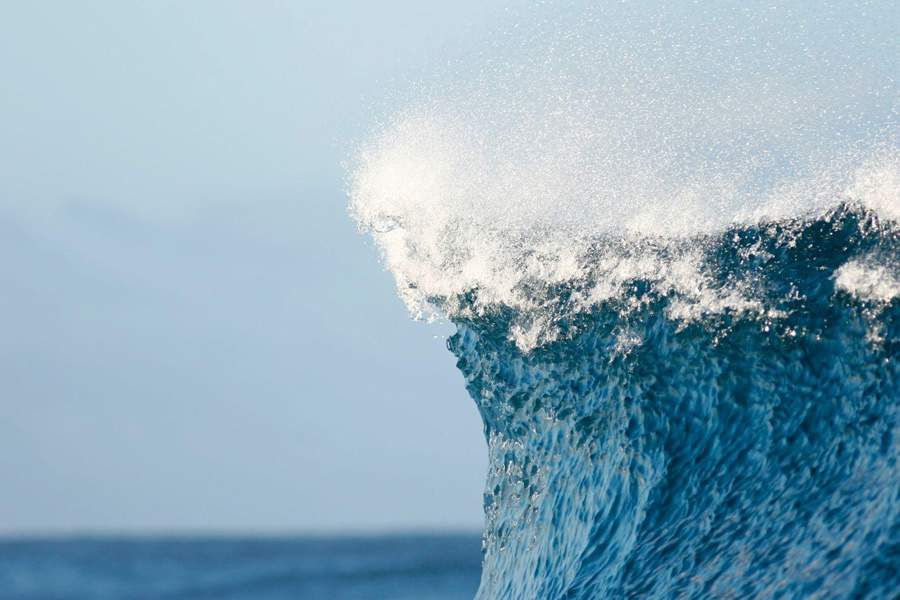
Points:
668	238
399	567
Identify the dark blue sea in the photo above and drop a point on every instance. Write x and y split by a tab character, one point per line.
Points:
409	567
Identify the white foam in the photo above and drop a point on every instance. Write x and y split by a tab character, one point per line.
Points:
868	280
876	184
504	184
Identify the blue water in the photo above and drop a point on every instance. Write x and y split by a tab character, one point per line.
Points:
733	456
421	567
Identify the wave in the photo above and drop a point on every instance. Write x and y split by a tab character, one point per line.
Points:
674	270
731	456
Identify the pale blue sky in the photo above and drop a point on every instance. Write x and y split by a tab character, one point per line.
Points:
194	334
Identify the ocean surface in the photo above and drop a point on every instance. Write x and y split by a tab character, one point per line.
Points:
668	235
419	567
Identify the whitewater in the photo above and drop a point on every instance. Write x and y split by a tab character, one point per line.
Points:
669	240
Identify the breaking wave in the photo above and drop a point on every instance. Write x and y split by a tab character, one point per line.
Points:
669	241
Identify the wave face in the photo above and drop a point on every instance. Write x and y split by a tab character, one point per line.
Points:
669	241
730	457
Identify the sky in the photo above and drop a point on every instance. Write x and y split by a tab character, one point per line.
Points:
195	337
